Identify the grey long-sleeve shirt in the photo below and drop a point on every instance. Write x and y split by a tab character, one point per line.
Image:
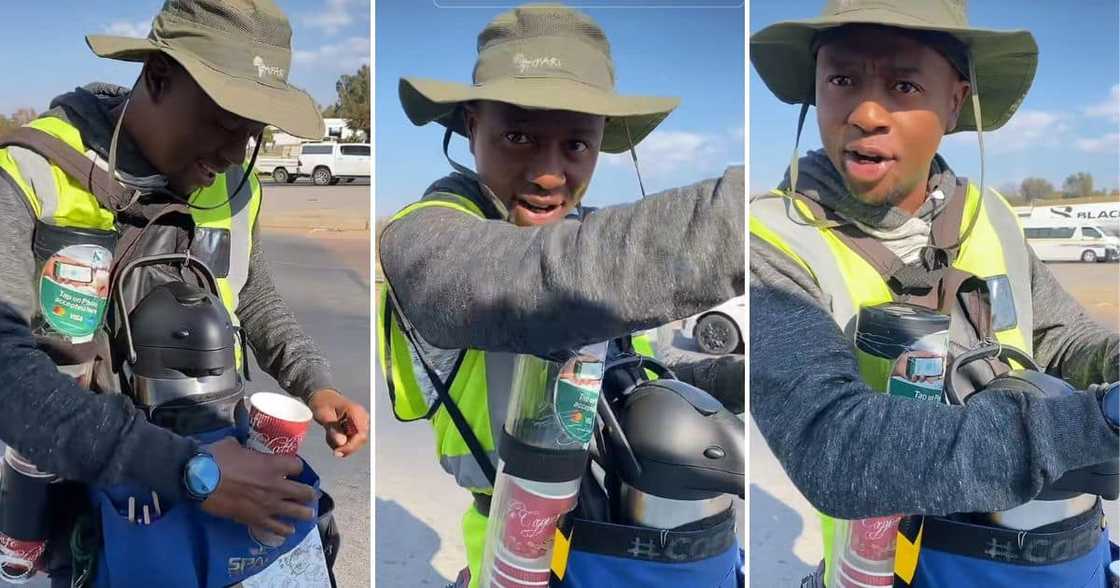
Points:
466	282
854	453
103	439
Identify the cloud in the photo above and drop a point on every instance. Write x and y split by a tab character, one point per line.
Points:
664	152
332	18
127	28
1102	144
1028	129
1108	108
347	54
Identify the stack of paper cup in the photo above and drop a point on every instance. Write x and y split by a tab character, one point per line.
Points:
869	557
529	518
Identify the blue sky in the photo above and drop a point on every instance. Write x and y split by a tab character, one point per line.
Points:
330	38
692	53
1069	122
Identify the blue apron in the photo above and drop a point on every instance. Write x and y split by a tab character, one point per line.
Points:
186	547
606	555
968	555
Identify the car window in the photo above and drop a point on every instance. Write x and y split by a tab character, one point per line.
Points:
1034	233
357	150
1091	233
317	149
1062	233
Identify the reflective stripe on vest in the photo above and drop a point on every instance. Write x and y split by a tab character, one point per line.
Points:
481	386
995	247
59	200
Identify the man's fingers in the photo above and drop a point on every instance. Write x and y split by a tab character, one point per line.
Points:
277	527
335	438
353	444
293	510
294	491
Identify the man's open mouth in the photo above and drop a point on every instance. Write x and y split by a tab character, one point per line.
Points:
538	205
867	164
866	156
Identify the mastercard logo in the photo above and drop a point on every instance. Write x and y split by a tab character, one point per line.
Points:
58	311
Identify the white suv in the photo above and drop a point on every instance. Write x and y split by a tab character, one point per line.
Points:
327	163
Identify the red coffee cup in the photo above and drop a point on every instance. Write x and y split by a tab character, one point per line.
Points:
511	575
530	519
18	558
277	423
874	538
850	576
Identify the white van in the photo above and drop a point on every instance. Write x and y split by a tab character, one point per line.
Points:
327	163
1072	242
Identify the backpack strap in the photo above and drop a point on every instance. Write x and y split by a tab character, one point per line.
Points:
108	191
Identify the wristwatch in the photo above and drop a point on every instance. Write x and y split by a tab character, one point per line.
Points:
201	475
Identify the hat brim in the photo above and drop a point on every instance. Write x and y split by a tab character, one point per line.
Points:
1005	61
629	118
288	108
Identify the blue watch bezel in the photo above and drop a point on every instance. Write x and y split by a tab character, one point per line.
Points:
194	493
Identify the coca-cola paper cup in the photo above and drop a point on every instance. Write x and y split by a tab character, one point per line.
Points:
510	575
851	575
874	538
18	558
277	423
530	520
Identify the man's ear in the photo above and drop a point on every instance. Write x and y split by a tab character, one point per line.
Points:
470	120
960	94
157	74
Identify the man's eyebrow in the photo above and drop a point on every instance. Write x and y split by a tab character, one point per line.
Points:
849	64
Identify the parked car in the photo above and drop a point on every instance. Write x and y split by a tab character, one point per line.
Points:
327	163
284	170
1072	242
720	330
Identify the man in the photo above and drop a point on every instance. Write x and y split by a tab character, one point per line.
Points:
214	73
889	79
507	260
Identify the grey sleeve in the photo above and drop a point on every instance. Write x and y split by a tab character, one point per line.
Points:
466	282
281	347
98	439
855	453
1067	342
722	376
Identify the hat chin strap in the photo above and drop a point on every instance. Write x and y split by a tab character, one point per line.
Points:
634	156
113	156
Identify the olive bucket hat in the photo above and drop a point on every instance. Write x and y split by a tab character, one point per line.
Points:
541	57
1001	63
238	51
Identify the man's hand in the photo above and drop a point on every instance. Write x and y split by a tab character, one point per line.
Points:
346	422
254	489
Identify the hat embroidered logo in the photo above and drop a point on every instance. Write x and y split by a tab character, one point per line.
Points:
524	64
263	68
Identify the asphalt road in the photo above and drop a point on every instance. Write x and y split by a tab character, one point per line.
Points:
302	206
418	506
324	277
785	541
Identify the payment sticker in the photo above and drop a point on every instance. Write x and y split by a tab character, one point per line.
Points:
74	290
576	397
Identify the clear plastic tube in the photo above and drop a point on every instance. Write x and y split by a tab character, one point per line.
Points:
553	408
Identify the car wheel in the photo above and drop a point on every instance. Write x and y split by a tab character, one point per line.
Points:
716	334
321	176
280	175
1089	256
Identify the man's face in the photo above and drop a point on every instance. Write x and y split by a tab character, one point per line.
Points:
193	139
538	162
883	103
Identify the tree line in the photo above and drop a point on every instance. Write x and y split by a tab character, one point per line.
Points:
1076	185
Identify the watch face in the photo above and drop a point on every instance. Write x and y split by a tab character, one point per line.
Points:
202	475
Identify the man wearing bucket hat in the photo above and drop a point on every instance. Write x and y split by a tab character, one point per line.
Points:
876	217
506	260
214	74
